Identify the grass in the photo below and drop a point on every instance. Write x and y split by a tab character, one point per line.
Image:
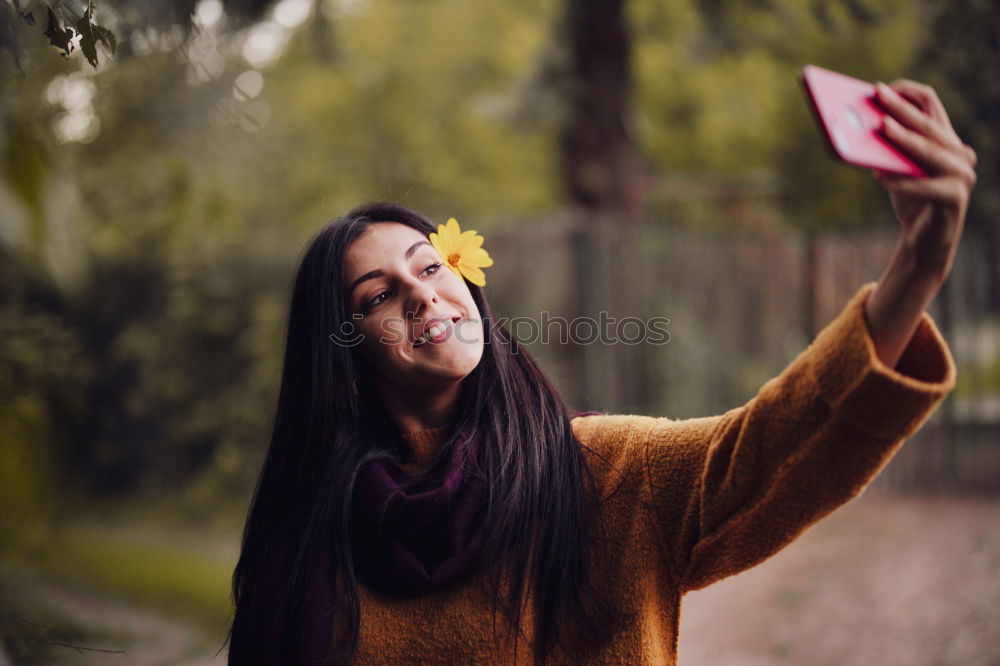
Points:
177	579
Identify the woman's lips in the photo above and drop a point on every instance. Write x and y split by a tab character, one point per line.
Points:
444	331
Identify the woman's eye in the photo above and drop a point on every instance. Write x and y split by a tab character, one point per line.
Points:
375	301
378	300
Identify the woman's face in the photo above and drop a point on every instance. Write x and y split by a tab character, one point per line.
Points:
398	289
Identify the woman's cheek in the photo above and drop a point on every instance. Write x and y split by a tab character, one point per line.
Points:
377	335
469	332
392	332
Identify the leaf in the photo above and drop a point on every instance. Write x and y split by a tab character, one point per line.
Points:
8	35
106	37
27	17
59	36
87	43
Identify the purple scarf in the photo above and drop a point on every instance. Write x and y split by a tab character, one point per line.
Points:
428	538
429	535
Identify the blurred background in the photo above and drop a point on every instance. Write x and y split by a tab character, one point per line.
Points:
640	158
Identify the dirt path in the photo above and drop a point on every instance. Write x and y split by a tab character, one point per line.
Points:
886	581
891	581
139	637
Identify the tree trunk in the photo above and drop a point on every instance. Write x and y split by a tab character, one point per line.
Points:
604	178
601	168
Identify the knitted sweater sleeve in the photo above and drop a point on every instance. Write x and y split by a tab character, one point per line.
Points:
729	491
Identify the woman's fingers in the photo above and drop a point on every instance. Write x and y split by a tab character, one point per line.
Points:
940	159
917	118
919	112
924	97
970	155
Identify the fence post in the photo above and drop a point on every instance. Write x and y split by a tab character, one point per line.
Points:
949	475
592	260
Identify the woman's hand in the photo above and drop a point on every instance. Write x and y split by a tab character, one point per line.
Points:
931	211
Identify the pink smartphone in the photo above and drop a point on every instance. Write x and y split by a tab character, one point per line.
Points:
850	118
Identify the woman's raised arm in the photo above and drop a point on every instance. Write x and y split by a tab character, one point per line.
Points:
931	212
729	491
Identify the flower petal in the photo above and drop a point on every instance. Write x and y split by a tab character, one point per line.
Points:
444	237
469	241
464	240
438	246
479	258
473	274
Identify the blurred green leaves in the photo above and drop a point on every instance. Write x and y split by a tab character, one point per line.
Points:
181	196
718	101
25	483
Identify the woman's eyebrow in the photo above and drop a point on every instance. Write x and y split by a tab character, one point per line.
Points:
378	272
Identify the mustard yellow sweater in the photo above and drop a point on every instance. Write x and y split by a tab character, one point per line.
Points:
701	499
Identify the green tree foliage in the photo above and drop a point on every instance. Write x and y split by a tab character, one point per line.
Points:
152	209
72	24
958	58
719	99
195	193
68	25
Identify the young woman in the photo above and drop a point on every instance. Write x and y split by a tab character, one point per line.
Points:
423	474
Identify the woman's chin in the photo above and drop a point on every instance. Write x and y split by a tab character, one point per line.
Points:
454	368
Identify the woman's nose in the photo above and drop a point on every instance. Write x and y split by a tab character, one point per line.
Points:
421	295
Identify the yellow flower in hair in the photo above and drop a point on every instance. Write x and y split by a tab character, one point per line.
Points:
461	251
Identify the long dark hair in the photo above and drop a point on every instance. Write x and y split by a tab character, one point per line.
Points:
329	425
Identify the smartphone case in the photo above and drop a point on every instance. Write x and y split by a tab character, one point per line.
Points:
850	118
